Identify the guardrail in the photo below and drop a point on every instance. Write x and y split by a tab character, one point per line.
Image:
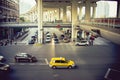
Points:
65	25
108	22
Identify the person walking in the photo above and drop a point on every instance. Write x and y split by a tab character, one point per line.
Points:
92	38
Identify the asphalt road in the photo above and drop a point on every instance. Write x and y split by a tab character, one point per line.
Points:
92	61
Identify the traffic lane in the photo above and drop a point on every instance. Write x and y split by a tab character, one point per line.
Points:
30	72
43	72
43	51
94	59
97	54
80	72
10	51
57	74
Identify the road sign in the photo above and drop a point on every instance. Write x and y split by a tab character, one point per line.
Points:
58	26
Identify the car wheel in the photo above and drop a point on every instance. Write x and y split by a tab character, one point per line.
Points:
30	60
76	44
86	45
54	67
70	67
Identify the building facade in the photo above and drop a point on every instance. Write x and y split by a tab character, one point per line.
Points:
9	13
9	10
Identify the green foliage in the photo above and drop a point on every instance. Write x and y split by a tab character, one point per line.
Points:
22	19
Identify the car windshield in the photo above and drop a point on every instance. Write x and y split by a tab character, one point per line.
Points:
29	55
48	35
66	61
47	38
56	39
83	41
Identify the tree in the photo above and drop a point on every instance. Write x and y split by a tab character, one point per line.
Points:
22	19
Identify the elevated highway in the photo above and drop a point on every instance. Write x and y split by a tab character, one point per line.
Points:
35	25
111	34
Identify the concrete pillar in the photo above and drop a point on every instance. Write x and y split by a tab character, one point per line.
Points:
40	20
94	5
87	10
60	13
94	12
64	14
118	10
74	19
9	33
80	12
12	34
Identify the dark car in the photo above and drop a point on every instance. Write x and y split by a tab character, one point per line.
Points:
4	67
31	42
24	57
62	37
56	40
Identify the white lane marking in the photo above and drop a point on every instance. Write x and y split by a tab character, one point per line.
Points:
46	61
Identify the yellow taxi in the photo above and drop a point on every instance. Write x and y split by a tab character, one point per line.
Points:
61	62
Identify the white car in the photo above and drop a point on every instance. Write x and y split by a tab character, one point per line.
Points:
82	43
48	36
47	40
1	58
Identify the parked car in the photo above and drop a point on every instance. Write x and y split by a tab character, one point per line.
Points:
47	33
66	40
48	36
1	58
61	62
56	40
62	37
24	57
82	43
31	41
47	40
4	67
54	35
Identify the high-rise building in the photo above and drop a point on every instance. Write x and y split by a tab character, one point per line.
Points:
9	10
102	9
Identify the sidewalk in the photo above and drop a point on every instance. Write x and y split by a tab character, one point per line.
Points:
6	42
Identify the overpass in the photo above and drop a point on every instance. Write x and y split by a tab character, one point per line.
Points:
35	25
86	24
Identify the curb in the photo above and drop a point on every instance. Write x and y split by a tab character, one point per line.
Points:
37	44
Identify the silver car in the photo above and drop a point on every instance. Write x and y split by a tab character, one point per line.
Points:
82	43
1	58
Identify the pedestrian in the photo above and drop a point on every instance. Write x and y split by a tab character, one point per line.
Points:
11	41
6	43
1	43
16	43
92	38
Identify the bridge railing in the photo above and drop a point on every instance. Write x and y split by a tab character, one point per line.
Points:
34	24
107	22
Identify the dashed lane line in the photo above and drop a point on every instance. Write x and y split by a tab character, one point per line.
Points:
46	61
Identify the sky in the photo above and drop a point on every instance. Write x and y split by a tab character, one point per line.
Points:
102	9
26	5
